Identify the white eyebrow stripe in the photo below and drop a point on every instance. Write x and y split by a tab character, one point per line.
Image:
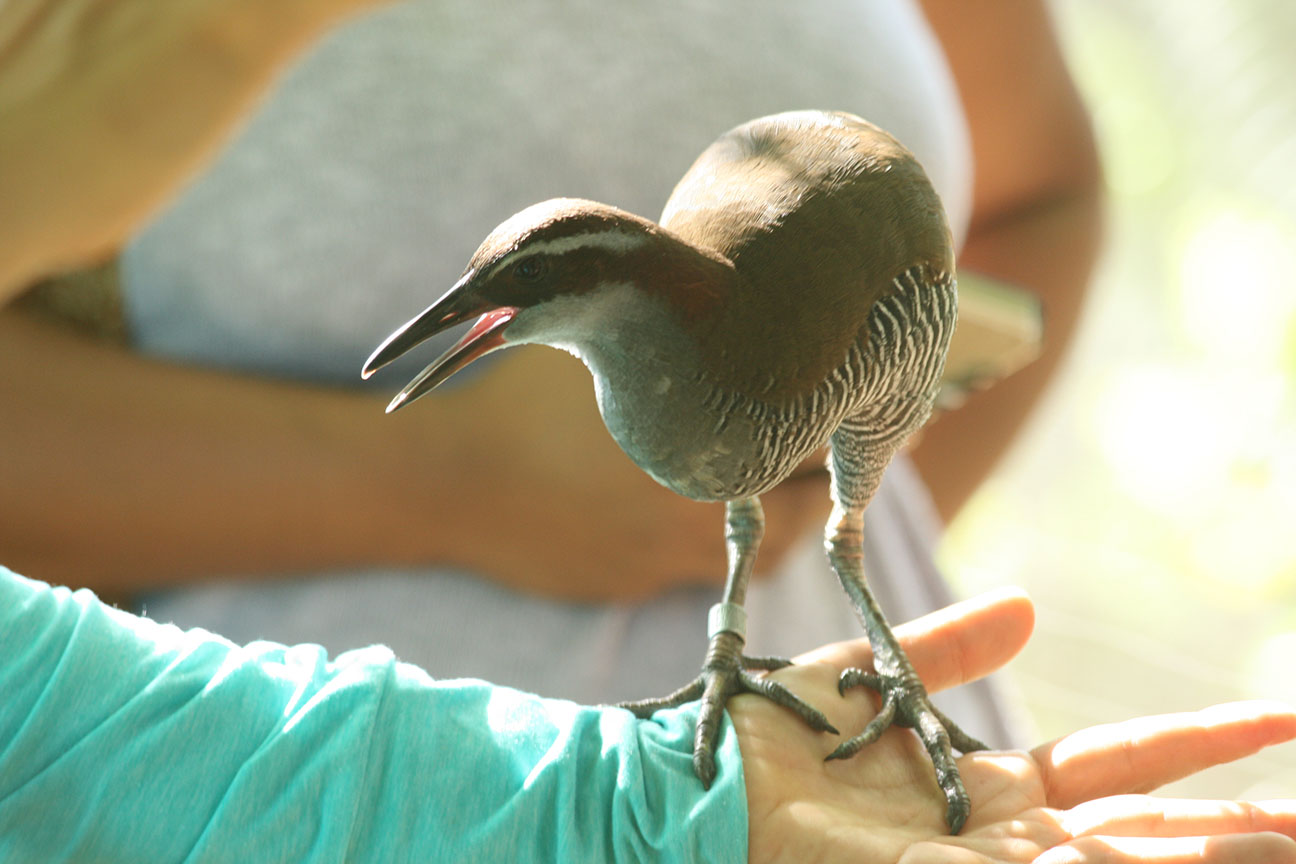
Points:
612	239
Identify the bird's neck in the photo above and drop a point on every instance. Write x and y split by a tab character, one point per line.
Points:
621	331
692	285
640	330
653	304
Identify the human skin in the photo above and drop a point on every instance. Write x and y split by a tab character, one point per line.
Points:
1078	800
1036	215
111	106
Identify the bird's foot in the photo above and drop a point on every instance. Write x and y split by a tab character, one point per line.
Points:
905	703
725	674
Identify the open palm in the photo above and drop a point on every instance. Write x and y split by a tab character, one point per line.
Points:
1079	796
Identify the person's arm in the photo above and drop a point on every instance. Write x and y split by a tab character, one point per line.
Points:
1035	216
109	107
126	740
123	473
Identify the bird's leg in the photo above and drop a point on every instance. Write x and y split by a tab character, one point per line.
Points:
905	701
725	671
904	698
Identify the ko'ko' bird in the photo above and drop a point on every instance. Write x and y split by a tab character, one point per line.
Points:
798	292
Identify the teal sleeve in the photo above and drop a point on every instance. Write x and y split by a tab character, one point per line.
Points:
126	740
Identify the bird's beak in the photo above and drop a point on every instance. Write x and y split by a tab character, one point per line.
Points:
455	307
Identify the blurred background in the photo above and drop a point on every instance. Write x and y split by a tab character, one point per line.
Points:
1151	507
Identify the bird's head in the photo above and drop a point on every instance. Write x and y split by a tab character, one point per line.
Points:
528	276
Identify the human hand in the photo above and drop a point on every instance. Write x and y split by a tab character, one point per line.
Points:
1077	800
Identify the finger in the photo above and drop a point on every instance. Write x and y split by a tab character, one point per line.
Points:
950	646
1140	755
1145	816
1261	848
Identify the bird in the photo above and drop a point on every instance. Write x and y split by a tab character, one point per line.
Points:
798	291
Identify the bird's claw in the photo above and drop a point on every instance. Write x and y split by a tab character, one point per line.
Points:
905	703
725	674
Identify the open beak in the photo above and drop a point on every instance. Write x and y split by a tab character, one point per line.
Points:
455	307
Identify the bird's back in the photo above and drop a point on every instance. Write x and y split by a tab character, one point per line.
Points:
819	213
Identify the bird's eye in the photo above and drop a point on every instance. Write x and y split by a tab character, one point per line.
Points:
530	269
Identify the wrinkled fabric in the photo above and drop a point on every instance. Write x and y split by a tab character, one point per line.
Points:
122	739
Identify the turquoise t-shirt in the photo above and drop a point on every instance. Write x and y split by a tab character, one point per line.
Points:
122	739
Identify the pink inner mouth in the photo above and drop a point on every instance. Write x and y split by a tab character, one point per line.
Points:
484	327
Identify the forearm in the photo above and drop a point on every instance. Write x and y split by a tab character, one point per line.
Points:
122	473
1036	213
125	740
109	107
1047	248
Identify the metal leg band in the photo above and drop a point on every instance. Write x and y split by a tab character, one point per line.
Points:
727	618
